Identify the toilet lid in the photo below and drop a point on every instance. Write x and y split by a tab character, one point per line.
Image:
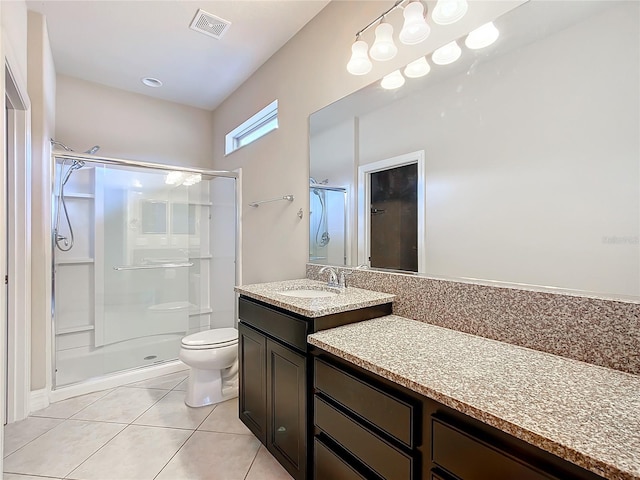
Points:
214	336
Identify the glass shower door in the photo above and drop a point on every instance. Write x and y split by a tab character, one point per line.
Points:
142	239
139	275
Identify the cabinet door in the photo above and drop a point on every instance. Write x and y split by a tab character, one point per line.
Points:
253	381
286	407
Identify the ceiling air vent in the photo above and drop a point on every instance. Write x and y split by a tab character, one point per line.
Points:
209	24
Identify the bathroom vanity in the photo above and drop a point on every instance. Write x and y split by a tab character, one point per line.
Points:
366	427
338	388
275	367
399	399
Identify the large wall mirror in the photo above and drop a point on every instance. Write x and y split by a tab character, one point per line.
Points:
526	154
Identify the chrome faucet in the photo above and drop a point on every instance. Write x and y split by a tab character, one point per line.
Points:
333	276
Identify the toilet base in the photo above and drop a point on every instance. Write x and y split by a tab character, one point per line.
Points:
208	387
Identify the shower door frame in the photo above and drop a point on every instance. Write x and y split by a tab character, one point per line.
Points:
110	161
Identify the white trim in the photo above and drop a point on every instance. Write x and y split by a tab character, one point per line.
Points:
255	121
238	226
364	199
39	399
19	263
238	237
117	380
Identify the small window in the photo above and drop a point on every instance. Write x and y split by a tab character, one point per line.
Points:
252	129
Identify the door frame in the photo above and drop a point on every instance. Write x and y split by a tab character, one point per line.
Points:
364	201
18	268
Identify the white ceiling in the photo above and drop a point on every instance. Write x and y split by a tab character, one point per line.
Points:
116	43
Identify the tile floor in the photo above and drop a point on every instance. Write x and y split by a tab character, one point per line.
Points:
139	431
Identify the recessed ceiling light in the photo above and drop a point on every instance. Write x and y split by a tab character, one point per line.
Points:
151	82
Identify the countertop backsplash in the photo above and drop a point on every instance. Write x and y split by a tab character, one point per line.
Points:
598	331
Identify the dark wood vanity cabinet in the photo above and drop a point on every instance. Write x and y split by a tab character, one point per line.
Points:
275	375
252	349
374	430
287	407
366	427
273	383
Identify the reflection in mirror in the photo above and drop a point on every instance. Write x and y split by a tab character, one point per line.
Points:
391	201
154	216
531	151
327	223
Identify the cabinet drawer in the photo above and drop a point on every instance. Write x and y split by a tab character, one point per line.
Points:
388	413
384	459
470	458
286	328
329	466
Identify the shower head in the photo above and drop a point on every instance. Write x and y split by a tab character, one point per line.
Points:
91	151
76	165
60	144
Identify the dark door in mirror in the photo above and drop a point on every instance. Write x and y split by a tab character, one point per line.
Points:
394	218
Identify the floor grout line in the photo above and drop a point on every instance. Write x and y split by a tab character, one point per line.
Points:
176	453
252	462
99	448
62	420
188	432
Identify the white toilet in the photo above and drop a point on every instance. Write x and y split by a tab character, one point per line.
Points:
213	358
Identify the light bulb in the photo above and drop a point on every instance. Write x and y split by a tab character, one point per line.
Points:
383	48
392	81
417	68
359	64
447	12
415	28
446	54
482	36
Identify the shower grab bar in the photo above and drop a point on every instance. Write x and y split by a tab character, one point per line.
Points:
159	265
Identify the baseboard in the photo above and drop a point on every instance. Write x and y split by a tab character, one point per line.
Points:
38	400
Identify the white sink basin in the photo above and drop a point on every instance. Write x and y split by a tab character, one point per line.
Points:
308	293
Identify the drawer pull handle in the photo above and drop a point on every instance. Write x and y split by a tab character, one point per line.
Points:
281	429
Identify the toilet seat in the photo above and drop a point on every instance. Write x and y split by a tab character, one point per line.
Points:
210	339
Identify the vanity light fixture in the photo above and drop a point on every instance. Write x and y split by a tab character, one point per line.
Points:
392	81
359	64
417	68
446	54
383	48
447	12
482	36
415	28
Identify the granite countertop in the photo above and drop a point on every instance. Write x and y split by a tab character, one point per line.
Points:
347	299
586	414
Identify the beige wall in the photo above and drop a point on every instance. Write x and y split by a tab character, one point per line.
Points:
130	125
305	75
42	88
14	31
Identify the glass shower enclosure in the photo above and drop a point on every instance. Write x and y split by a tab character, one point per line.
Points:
143	254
